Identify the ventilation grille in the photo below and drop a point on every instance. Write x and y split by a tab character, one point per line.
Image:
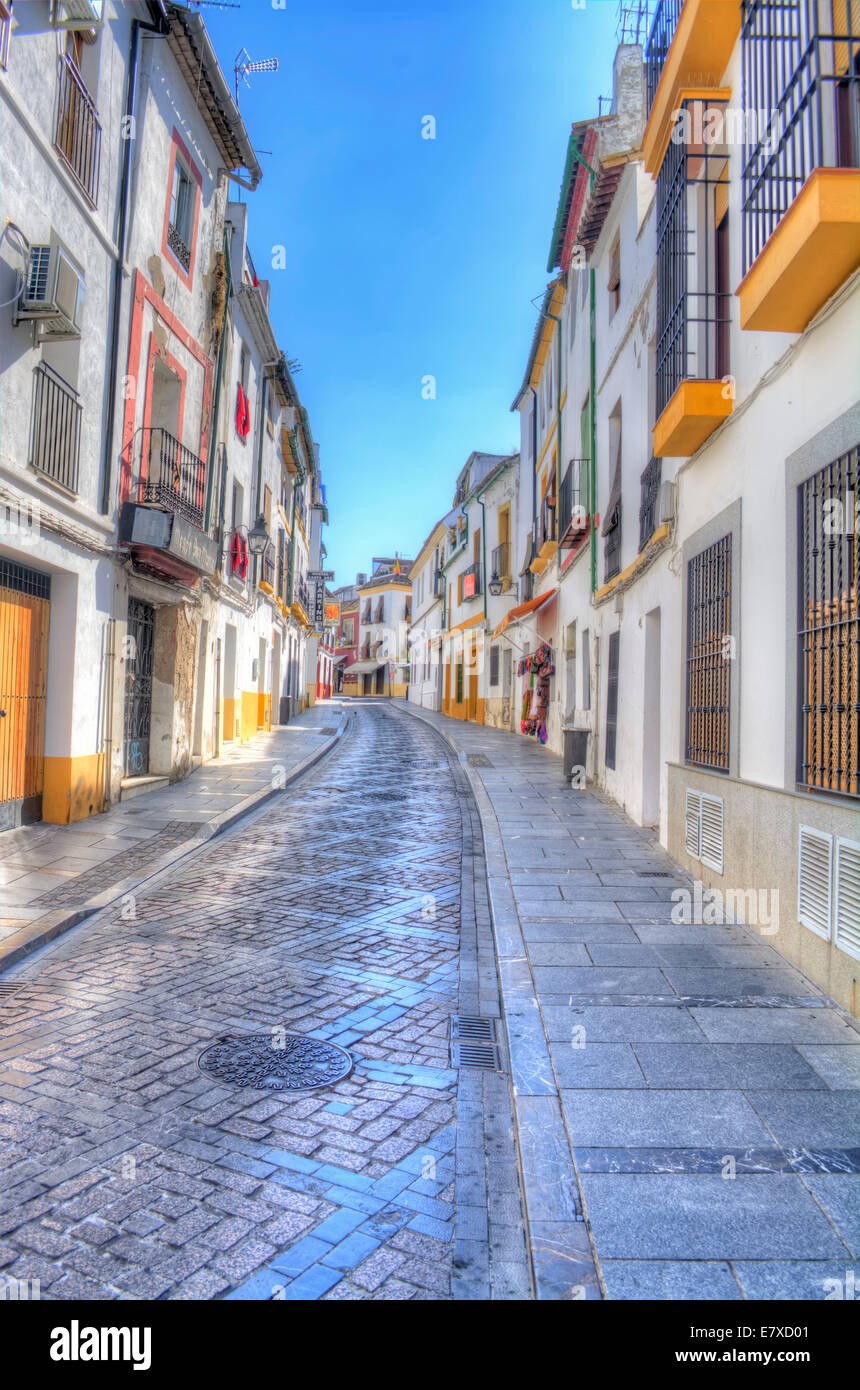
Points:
37	281
848	897
692	823
814	879
711	832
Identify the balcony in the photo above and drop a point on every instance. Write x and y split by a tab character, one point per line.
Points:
470	582
500	564
689	47
800	178
169	475
300	594
612	547
379	615
78	131
693	287
178	247
267	570
545	535
56	428
573	512
649	484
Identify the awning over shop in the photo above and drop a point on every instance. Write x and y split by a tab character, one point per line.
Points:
363	668
522	610
336	660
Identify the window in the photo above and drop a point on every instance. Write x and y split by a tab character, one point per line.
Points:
709	588
800	62
649	493
586	670
612	700
614	283
180	227
612	523
829	629
459	682
494	665
693	286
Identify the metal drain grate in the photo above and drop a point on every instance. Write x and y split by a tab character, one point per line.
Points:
385	796
8	990
469	1026
473	1042
328	732
654	873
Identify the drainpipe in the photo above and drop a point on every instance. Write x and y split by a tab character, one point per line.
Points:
478	498
116	280
219	373
261	431
534	456
555	318
592	403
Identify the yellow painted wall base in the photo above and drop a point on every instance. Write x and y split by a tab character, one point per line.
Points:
481	709
812	252
249	714
73	789
312	696
231	719
399	691
264	711
693	413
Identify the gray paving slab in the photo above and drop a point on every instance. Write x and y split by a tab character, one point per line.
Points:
838	1065
798	1280
581	1065
706	1217
724	1065
599	980
670	1280
823	1118
617	1118
839	1195
601	1024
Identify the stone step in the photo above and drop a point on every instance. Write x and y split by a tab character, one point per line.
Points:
133	786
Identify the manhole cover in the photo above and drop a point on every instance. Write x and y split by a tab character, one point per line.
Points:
275	1061
478	760
385	796
327	731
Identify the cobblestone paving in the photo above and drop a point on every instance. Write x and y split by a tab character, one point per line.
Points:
125	1172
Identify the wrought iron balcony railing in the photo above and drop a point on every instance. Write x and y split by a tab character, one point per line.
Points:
663	27
300	594
471	581
612	547
693	288
379	614
573	500
78	131
801	80
649	484
546	529
500	560
267	569
56	428
170	475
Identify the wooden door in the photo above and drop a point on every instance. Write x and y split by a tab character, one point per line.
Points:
24	619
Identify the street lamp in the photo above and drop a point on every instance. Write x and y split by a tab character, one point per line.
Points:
258	537
495	585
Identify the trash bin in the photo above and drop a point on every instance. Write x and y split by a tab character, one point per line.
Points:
575	750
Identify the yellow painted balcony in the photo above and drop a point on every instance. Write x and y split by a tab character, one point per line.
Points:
693	413
814	249
698	56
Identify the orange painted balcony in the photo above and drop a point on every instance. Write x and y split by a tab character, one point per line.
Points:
696	57
814	249
696	409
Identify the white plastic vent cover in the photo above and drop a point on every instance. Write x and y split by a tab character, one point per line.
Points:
703	829
814	880
848	897
692	823
711	832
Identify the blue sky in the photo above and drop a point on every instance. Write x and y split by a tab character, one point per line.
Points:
409	257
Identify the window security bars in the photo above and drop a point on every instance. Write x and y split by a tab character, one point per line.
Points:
801	99
649	484
78	131
693	307
56	428
829	629
709	591
663	28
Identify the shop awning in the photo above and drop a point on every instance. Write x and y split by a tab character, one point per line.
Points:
522	610
363	668
336	660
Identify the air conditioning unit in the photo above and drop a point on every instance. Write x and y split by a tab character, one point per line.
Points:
76	14
666	504
53	293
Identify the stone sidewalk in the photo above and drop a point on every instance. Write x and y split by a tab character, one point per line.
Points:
53	876
687	1103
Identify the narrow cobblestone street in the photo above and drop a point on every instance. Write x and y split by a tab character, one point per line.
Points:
334	912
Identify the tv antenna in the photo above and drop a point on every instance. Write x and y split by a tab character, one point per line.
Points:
245	65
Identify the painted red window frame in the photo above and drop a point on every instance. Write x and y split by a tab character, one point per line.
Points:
179	147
